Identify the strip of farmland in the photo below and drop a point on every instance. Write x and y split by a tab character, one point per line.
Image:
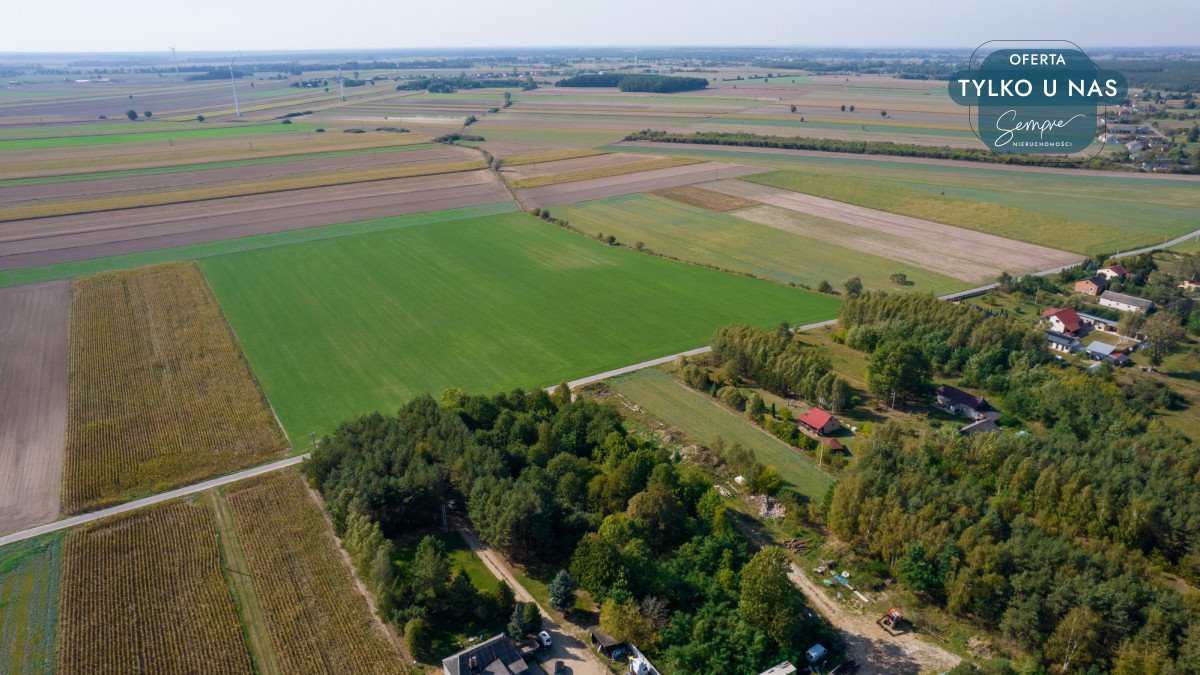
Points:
953	251
160	395
611	186
33	402
80	237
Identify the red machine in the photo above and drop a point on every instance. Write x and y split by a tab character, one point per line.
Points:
889	621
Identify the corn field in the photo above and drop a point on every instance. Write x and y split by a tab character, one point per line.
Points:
317	619
160	394
143	592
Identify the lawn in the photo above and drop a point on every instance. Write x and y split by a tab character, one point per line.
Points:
29	574
725	241
461	558
1081	212
705	420
341	327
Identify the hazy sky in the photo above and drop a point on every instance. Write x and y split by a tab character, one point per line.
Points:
152	25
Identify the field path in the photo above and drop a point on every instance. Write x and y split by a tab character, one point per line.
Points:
571	650
33	402
237	572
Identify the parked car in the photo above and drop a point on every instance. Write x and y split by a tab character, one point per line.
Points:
560	668
544	639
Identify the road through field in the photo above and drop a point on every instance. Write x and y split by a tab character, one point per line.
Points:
33	402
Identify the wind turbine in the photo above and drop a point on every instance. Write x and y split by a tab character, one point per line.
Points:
236	108
341	87
175	60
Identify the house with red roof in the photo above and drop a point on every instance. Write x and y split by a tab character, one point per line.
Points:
1093	286
1113	272
818	422
1063	320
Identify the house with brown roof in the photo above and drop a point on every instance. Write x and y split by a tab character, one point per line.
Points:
1063	320
1111	272
1093	286
818	422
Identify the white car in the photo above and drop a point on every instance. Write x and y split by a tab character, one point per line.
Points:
544	638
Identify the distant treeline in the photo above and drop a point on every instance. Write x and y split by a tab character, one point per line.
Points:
862	148
659	84
1159	75
448	85
217	74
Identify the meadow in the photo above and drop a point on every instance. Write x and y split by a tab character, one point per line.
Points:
159	394
347	326
728	242
29	583
706	420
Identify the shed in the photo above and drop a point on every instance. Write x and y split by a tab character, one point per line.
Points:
603	642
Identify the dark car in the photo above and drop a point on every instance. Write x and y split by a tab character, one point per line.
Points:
560	668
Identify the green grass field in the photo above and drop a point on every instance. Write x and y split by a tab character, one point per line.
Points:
1079	212
179	134
346	326
81	268
461	557
29	574
728	242
705	420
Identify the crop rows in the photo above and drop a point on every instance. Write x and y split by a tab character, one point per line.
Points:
29	582
160	395
317	619
144	592
603	172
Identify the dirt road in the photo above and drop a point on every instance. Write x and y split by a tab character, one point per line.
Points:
576	654
33	402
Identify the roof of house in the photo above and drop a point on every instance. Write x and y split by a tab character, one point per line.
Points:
1093	317
959	396
1095	281
1116	268
986	424
1067	315
785	668
1060	339
1132	301
1101	348
601	638
815	418
496	656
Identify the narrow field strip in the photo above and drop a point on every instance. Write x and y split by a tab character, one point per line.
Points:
587	174
29	588
549	156
317	617
235	190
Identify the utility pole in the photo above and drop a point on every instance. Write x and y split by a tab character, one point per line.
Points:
236	108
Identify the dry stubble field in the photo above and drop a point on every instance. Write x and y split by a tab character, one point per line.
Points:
160	394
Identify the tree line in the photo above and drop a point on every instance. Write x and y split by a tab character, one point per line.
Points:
659	84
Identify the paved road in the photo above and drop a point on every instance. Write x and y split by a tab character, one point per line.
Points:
139	503
575	654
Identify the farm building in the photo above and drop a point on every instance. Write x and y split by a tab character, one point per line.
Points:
602	642
1062	343
1111	272
984	425
785	668
1064	320
1125	303
831	443
958	402
1106	353
819	422
495	656
1097	322
1094	286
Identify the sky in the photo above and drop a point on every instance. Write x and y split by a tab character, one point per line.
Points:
256	25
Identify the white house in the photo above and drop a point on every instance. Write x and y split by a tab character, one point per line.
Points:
1125	303
1113	272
